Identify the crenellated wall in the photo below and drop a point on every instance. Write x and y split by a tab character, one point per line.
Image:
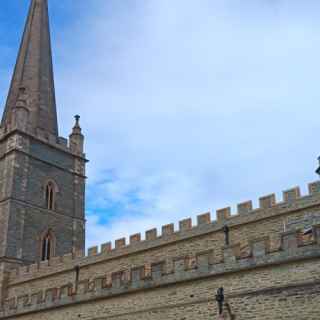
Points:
266	235
295	211
265	271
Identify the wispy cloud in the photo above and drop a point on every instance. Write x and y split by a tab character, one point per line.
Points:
187	105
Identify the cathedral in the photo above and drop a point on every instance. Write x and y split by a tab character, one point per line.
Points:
256	263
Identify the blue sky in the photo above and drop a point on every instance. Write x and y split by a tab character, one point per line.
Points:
187	105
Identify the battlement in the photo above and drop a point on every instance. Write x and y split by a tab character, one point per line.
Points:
268	207
295	246
60	143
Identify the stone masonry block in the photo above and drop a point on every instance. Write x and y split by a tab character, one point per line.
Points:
168	229
204	259
24	270
260	247
151	234
34	268
65	291
137	274
63	141
22	301
179	264
117	279
43	264
99	283
204	218
52	139
289	240
91	286
135	238
245	207
10	304
268	201
51	294
223	214
13	273
231	253
36	298
316	232
120	243
78	253
291	194
185	224
67	258
93	251
106	247
157	270
54	261
83	286
314	187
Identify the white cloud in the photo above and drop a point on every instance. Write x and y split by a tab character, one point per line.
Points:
192	105
189	105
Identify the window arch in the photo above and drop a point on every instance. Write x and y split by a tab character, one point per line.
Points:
47	245
50	195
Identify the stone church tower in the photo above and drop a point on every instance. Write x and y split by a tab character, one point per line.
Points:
263	262
42	175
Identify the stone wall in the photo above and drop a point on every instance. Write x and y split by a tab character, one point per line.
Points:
261	286
27	163
269	258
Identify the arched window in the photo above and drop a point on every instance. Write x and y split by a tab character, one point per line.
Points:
47	246
50	195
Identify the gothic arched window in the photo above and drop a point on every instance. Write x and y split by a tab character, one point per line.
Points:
50	195
47	246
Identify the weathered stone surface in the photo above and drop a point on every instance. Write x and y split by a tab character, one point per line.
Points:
269	271
32	155
245	207
34	72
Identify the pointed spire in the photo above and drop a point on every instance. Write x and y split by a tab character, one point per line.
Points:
33	71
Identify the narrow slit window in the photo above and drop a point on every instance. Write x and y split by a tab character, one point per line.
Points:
46	247
50	193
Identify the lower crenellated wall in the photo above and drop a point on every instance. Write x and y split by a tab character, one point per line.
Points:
195	299
264	285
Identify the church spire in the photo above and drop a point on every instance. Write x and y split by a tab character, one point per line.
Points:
33	72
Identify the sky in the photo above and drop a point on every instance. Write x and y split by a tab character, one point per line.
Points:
187	106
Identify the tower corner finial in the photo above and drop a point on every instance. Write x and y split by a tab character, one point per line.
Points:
76	137
76	129
77	118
